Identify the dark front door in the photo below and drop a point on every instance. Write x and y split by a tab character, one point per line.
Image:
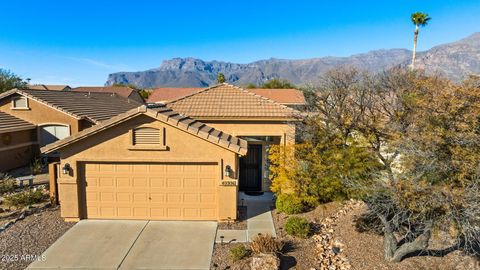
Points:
251	169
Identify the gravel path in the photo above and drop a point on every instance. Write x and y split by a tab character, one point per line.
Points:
30	237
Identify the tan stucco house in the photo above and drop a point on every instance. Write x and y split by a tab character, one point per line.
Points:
51	115
183	160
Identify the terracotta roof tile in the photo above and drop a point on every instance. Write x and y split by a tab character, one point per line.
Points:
162	113
169	93
96	107
9	123
123	91
228	101
282	96
48	87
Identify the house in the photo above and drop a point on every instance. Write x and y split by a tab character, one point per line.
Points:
184	160
123	91
49	87
166	94
289	97
17	142
56	114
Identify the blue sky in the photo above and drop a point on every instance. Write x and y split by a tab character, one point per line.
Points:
81	42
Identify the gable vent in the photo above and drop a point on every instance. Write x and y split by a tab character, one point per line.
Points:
146	135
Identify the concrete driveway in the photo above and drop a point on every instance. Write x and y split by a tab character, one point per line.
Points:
108	244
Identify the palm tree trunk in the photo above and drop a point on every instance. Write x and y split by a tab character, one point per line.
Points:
415	37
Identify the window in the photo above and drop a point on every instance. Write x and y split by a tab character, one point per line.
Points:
52	133
20	103
146	136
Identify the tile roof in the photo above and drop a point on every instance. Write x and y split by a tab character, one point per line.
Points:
93	106
164	114
123	91
282	96
166	94
48	87
228	101
9	123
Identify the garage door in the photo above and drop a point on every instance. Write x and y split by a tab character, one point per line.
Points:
157	191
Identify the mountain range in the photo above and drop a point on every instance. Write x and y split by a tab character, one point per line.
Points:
454	60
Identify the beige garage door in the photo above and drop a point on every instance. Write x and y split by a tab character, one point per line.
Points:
157	191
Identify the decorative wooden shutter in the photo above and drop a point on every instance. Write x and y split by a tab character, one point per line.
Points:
146	135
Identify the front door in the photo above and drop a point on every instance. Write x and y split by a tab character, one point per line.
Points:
251	169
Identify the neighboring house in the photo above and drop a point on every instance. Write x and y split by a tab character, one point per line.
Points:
49	87
57	115
158	163
18	142
123	91
289	97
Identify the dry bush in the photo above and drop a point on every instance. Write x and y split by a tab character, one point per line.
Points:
266	244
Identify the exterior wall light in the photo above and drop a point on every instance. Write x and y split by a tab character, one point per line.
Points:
66	168
228	170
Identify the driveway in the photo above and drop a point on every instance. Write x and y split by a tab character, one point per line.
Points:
122	244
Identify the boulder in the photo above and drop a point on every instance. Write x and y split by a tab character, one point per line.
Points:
265	262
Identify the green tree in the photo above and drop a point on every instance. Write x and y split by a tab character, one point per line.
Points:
418	19
277	84
131	85
406	143
9	80
250	86
220	78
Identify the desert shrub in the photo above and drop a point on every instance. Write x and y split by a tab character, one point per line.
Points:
289	204
266	244
36	166
26	198
238	252
298	226
7	185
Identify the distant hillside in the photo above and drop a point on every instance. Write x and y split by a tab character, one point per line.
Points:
455	60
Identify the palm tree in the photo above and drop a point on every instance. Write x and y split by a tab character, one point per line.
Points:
418	19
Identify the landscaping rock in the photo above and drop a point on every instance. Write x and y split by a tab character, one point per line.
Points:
329	249
265	262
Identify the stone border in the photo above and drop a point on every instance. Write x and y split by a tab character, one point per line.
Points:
29	210
330	250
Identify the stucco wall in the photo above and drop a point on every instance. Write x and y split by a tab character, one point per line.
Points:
114	145
284	131
39	113
17	149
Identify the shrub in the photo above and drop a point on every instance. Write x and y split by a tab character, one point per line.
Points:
289	204
26	198
36	166
298	226
266	244
238	252
7	185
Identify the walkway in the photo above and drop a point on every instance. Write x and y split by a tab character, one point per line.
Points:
259	219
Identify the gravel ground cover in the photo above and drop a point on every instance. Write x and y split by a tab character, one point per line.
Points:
365	251
239	224
29	238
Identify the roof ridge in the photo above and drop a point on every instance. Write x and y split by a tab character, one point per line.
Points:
262	97
192	94
22	92
176	120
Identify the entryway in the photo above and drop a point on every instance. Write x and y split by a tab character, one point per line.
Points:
251	169
131	244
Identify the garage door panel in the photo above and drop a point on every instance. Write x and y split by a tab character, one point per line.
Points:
151	191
